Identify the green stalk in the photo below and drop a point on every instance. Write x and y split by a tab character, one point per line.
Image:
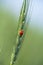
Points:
21	26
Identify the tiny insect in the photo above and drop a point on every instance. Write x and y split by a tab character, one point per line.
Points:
21	32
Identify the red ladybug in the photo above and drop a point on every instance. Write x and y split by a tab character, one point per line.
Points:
21	32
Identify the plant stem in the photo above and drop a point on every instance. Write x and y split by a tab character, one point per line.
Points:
21	26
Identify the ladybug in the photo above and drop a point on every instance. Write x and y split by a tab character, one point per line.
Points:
21	32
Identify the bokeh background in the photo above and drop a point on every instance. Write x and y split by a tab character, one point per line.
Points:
31	52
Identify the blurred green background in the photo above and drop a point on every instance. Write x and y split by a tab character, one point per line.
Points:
31	52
